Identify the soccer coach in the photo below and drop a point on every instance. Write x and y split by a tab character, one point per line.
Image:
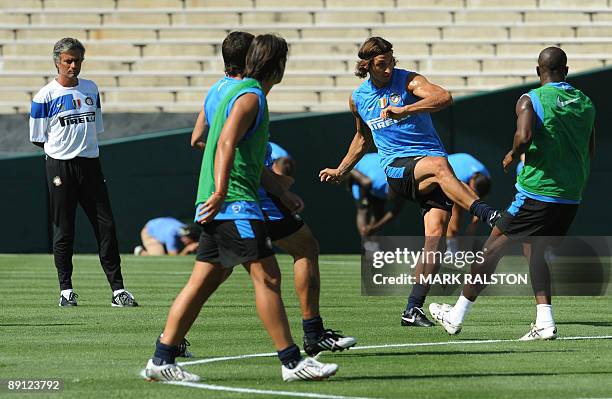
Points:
65	120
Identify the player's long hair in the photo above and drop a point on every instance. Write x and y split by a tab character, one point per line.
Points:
371	48
266	58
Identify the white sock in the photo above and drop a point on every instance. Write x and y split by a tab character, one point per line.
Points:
117	292
544	316
460	310
66	293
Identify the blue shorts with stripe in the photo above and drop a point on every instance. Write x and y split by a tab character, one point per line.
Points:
527	217
234	242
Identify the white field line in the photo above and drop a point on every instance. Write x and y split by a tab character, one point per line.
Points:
324	396
406	345
263	391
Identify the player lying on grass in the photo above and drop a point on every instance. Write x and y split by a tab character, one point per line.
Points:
554	129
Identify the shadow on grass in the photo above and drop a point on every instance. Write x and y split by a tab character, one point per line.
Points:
450	353
587	323
467	375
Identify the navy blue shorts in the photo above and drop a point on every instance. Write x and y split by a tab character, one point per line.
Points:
527	217
234	242
407	187
282	228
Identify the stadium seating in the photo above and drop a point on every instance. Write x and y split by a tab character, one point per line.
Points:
163	54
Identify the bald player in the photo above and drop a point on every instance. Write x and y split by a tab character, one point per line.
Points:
554	126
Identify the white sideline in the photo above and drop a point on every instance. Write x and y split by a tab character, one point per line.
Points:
324	396
263	391
406	345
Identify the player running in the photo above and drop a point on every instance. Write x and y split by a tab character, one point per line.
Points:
280	207
392	108
554	126
233	227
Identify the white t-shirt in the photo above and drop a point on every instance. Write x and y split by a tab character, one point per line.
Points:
67	119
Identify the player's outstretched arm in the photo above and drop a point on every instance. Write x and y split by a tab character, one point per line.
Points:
359	146
525	121
197	135
433	98
241	117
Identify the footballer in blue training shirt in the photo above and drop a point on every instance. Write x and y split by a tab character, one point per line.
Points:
392	109
280	208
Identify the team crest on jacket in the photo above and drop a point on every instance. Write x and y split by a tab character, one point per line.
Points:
89	101
395	98
57	181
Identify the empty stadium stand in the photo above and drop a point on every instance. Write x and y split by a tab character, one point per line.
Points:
162	55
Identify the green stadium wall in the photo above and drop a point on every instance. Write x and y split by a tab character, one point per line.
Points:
156	174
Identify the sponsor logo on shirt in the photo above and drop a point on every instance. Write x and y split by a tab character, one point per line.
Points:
75	119
561	103
379	123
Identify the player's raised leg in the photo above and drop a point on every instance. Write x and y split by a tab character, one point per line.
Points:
433	171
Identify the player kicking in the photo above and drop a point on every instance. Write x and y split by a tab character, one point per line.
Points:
393	108
554	127
233	227
286	229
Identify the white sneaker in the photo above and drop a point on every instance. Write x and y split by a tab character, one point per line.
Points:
309	369
138	250
440	313
537	333
168	372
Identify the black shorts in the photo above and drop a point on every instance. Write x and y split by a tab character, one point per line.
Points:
233	242
407	187
282	228
529	217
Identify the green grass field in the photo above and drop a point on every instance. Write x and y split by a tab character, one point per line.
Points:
99	350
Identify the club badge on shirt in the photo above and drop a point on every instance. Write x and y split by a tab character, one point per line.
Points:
395	98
